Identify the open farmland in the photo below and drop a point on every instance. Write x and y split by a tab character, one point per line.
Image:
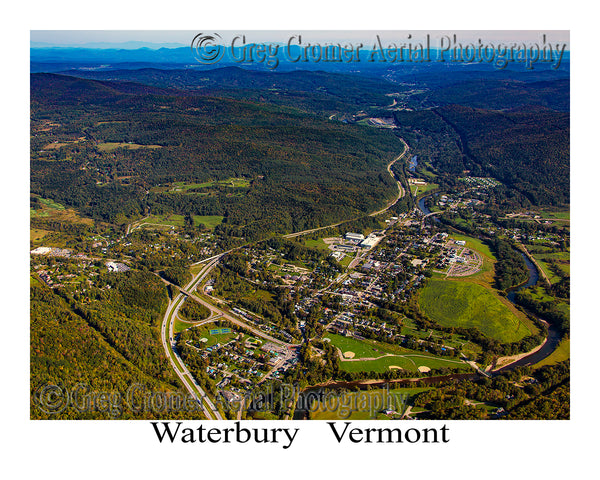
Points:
468	305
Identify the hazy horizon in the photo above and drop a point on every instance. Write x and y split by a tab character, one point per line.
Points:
155	39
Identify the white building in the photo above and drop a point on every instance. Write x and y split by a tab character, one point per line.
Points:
117	267
41	251
369	242
357	237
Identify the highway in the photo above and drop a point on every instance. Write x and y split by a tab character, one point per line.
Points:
400	188
217	312
373	214
181	370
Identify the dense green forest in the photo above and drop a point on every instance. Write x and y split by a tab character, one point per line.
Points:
193	311
547	397
107	341
318	92
500	94
221	159
527	149
303	171
510	269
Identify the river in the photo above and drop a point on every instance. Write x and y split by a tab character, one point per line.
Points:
412	164
553	338
531	281
549	346
422	207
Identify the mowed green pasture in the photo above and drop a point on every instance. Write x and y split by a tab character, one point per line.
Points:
209	221
361	348
468	305
409	362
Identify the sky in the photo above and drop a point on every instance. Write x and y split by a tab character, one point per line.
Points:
174	38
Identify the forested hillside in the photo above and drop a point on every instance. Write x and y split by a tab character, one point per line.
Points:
318	92
117	141
527	149
106	341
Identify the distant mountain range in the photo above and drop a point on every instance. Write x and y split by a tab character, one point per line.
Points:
107	56
133	45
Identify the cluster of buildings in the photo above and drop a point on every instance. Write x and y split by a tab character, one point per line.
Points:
117	267
362	241
52	252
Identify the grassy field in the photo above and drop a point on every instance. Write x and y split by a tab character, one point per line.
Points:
539	293
562	353
36	234
424	189
451	339
48	209
560	214
209	221
52	204
398	356
361	348
184	187
362	405
194	270
346	260
475	244
562	259
318	243
466	304
204	331
166	219
110	146
172	219
179	326
410	362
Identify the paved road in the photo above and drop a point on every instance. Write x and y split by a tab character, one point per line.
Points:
181	370
400	188
167	326
390	204
236	320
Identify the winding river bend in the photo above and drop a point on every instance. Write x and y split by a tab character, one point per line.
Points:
422	206
549	345
553	336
